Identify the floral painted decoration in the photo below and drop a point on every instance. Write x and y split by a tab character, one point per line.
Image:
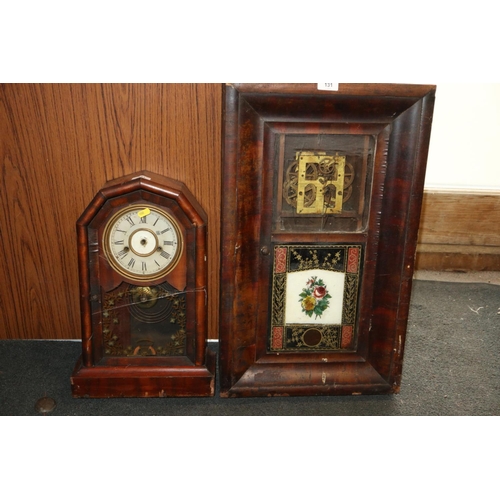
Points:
314	298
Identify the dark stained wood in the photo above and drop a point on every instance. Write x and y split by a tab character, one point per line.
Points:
143	381
59	143
400	117
359	89
100	373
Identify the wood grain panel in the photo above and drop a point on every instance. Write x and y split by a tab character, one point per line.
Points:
459	231
460	258
460	218
59	144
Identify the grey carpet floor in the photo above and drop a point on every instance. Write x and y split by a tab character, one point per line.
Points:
451	367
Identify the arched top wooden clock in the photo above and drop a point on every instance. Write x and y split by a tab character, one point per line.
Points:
143	272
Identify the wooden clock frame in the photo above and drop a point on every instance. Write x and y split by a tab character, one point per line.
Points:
375	247
101	372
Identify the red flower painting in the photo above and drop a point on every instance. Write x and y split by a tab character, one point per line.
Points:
314	297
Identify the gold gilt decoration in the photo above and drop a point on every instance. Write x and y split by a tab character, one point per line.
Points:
315	332
315	261
279	298
318	337
110	319
140	304
178	340
350	296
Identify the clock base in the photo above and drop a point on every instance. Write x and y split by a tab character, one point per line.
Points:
144	381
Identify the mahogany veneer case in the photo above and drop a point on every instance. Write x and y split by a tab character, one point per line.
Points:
143	292
322	193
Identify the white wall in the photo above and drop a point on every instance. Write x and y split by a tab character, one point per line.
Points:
465	138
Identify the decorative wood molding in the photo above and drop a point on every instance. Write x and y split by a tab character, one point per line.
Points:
459	231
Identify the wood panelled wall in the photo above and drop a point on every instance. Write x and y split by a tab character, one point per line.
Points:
59	144
459	231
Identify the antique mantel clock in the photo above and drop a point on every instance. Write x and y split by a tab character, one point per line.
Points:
142	264
322	201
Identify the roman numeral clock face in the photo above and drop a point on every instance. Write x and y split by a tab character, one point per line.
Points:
142	242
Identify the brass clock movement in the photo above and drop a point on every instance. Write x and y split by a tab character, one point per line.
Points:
142	260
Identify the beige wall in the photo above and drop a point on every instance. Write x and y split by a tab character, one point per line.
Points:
463	152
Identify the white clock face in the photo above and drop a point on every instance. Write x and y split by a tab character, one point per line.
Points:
142	242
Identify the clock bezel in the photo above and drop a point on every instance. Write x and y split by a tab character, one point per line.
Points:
139	276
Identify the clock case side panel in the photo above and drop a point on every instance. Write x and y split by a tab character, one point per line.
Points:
196	378
84	251
243	371
400	218
238	292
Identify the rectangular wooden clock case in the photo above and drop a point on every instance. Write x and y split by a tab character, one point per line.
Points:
322	194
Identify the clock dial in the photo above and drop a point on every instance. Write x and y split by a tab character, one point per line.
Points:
142	242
